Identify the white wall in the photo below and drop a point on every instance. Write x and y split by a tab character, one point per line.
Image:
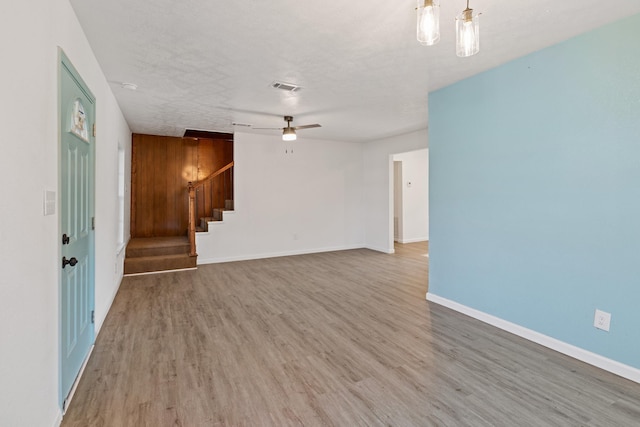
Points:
378	182
29	315
415	195
308	201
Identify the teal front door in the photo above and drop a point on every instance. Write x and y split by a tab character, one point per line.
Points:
77	113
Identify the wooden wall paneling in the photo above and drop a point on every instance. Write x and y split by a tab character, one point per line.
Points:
137	186
146	179
177	188
218	162
154	184
228	156
162	166
184	176
141	169
134	187
206	156
209	205
173	175
189	172
148	186
205	168
218	194
143	198
194	165
149	153
163	192
203	201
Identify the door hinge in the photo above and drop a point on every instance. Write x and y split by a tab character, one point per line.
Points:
93	222
93	316
94	130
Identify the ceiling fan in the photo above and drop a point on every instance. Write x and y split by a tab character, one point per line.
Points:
289	132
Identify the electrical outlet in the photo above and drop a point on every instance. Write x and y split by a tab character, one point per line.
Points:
602	320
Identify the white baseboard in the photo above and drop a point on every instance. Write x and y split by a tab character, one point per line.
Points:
100	321
414	240
72	393
581	354
217	260
383	250
58	419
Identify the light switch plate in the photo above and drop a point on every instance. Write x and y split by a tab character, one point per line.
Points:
49	202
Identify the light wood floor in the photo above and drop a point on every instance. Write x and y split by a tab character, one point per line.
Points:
341	338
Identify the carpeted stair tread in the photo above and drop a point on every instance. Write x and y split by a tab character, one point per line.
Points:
148	264
149	254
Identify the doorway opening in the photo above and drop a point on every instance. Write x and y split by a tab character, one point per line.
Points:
410	199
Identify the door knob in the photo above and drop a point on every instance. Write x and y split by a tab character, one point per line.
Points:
72	261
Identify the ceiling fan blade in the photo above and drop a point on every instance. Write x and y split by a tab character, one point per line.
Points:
315	125
267	128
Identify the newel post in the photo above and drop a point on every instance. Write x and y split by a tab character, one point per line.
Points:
192	219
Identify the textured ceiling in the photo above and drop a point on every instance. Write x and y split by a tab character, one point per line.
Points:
206	64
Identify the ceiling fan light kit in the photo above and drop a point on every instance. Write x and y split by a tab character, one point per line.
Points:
467	27
289	132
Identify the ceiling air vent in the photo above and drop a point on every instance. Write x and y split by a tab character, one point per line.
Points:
289	87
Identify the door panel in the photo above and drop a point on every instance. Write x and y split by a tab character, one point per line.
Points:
77	110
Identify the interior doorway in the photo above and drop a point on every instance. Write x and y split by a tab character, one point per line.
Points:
411	196
397	200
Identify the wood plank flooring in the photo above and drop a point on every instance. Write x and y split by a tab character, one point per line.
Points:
333	339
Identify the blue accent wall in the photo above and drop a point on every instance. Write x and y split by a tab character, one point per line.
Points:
535	191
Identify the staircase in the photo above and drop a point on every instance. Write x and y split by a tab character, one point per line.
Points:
205	200
217	215
157	254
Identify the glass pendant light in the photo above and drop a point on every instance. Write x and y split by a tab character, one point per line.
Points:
467	33
428	27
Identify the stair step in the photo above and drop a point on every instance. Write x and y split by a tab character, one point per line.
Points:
149	264
157	246
217	214
150	254
204	222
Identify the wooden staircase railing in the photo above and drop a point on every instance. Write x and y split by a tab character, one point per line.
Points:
192	220
199	186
